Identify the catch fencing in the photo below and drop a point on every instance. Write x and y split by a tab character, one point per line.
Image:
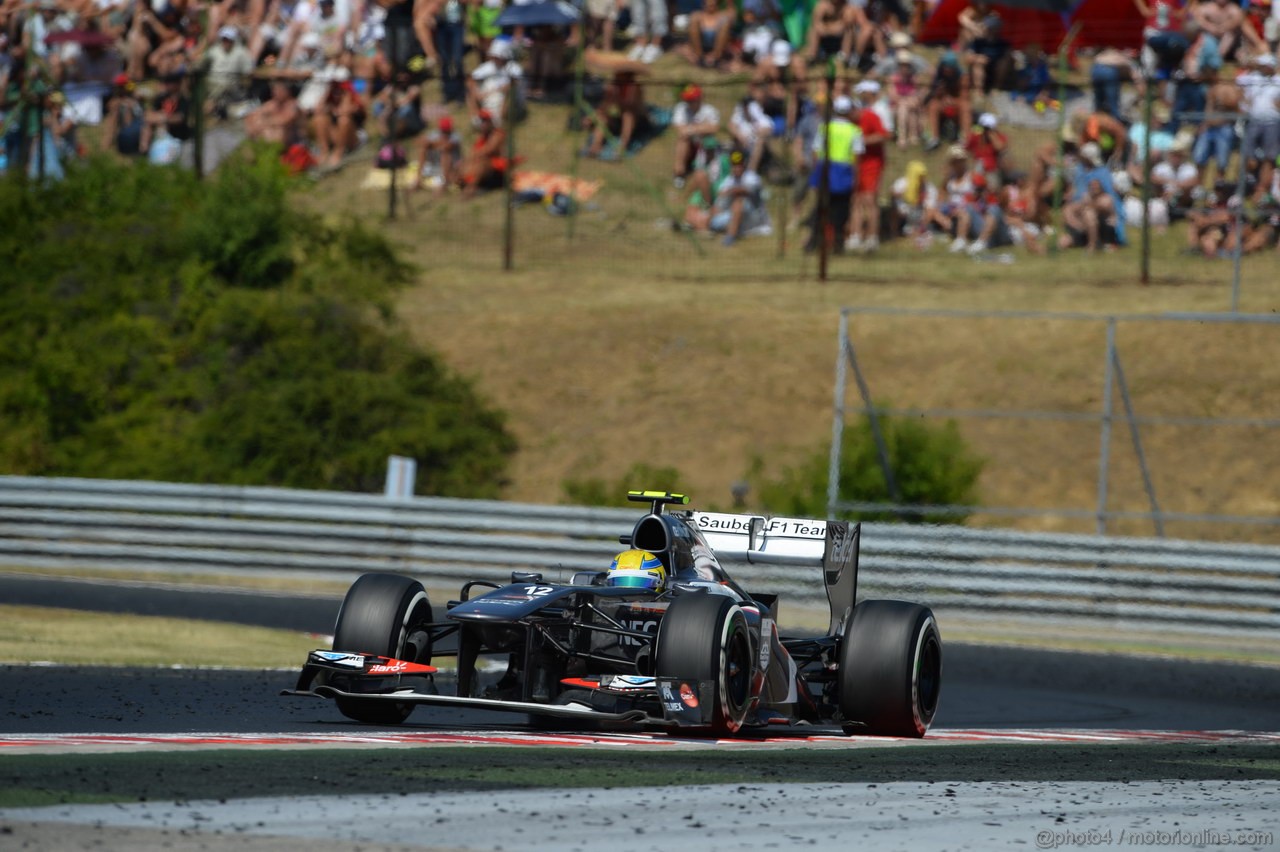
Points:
1174	438
987	574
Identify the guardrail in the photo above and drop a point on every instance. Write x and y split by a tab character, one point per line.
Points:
149	526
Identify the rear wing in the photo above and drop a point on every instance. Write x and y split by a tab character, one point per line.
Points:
755	539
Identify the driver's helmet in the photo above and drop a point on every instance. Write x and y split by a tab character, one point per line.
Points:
637	569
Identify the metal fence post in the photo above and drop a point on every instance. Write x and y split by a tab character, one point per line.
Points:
1241	188
198	92
1145	256
837	420
873	419
1104	455
1134	433
823	216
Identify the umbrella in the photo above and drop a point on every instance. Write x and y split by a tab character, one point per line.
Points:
544	13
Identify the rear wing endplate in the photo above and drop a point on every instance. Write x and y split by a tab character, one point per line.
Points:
755	539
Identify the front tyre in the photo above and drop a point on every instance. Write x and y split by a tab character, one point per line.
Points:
704	637
387	615
890	669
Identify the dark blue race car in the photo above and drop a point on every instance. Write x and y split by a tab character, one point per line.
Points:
665	639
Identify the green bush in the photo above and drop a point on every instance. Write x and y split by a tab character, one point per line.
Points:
932	465
157	327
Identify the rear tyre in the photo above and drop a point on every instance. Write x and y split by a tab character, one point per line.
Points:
704	637
890	669
387	615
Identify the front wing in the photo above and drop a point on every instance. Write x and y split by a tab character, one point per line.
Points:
683	703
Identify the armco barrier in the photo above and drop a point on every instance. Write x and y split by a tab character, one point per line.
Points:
148	526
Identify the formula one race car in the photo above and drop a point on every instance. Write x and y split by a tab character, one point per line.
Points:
664	639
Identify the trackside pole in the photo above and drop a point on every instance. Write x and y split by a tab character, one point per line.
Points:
824	178
1104	455
1137	443
509	179
837	422
1145	254
873	418
1241	188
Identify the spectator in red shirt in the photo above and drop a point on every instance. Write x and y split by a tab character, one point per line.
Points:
864	231
986	145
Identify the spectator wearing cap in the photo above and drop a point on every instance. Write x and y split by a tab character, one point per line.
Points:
1261	143
899	52
913	196
439	157
953	216
123	118
751	126
37	28
987	145
486	164
229	68
837	146
329	20
864	230
904	98
693	120
1093	215
1175	178
761	26
709	30
310	67
337	120
739	207
495	80
780	72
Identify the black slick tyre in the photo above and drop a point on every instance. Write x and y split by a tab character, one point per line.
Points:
386	615
705	637
890	669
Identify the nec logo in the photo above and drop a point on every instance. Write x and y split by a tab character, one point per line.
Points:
642	625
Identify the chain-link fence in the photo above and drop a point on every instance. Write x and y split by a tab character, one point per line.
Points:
1142	424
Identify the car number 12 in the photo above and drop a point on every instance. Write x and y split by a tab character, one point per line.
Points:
538	591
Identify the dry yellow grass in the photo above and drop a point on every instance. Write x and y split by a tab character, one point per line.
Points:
48	635
622	344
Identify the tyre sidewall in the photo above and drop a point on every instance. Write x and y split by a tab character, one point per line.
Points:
890	669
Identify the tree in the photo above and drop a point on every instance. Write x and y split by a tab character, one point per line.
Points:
157	327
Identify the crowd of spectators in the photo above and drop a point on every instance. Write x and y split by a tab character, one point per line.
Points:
826	99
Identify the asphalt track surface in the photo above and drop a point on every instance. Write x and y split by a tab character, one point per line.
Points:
984	687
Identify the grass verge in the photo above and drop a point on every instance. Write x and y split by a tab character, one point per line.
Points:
45	634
